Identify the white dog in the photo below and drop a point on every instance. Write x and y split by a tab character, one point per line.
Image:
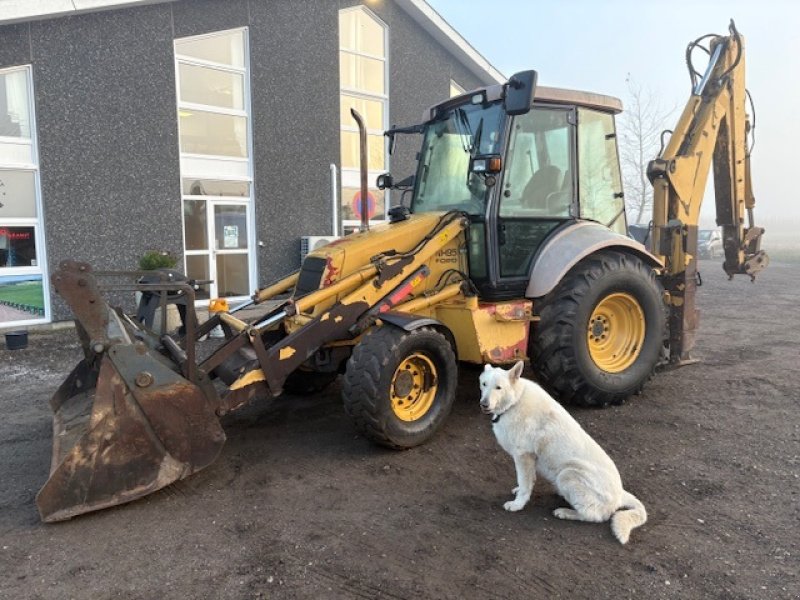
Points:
542	437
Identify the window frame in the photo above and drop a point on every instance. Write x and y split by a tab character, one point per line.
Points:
246	112
37	222
219	167
349	176
623	213
502	286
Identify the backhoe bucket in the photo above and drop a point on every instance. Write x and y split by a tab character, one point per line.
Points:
125	425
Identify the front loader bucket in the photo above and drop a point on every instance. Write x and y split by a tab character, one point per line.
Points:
125	425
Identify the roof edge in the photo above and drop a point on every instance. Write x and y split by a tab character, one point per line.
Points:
20	11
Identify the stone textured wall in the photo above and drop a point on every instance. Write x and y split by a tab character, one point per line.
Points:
107	125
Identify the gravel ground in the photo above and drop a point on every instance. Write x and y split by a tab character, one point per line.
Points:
298	506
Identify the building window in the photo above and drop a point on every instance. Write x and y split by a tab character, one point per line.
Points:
24	294
455	89
213	94
363	80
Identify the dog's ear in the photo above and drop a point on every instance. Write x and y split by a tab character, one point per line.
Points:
487	368
516	372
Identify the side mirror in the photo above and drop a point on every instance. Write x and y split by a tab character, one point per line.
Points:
384	181
519	92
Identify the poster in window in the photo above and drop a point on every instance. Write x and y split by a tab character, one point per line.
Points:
21	298
17	194
17	246
230	236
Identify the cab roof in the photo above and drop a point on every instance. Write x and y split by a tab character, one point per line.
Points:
588	99
542	95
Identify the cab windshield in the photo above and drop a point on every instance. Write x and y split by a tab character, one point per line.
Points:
444	180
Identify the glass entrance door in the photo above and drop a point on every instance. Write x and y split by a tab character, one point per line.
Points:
229	256
218	238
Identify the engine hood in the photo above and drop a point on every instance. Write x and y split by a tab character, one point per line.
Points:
330	263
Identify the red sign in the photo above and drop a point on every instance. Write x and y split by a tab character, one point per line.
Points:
370	204
15	235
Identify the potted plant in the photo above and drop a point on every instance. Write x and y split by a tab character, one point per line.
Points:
152	260
157	260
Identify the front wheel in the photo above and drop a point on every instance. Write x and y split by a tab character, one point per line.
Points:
601	331
399	386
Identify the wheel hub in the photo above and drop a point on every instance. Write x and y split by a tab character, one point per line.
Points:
403	384
616	332
598	326
414	387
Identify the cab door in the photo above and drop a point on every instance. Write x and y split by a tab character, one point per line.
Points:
537	193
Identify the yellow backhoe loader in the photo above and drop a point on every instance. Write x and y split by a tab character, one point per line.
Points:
513	245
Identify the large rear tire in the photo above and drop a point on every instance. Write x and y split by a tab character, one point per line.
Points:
399	386
601	331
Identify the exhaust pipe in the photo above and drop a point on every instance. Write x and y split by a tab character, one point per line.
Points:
362	134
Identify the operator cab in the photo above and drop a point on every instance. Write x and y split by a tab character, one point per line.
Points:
520	172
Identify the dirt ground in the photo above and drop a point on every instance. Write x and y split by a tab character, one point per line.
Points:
298	506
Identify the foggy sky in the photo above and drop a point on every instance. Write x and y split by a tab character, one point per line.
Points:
590	45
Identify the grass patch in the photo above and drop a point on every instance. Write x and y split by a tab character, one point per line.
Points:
28	293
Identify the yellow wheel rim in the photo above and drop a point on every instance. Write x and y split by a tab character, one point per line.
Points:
414	387
616	332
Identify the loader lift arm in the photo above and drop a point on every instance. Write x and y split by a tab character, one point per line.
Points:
138	413
713	129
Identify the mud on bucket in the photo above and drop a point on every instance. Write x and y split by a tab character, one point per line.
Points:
16	340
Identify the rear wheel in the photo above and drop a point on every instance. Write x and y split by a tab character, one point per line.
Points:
399	386
601	331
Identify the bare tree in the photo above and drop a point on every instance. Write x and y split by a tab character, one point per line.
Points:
639	128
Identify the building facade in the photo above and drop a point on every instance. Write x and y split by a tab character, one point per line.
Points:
216	130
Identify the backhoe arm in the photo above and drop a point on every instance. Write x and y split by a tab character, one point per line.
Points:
712	129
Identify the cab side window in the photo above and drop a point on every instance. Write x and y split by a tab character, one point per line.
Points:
538	181
599	179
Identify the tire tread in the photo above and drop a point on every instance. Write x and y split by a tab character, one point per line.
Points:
553	355
361	383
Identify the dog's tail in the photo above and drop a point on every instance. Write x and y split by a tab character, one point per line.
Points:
629	515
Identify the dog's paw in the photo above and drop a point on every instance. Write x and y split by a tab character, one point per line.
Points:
514	505
563	513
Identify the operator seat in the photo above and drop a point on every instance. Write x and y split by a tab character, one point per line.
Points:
560	202
543	182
